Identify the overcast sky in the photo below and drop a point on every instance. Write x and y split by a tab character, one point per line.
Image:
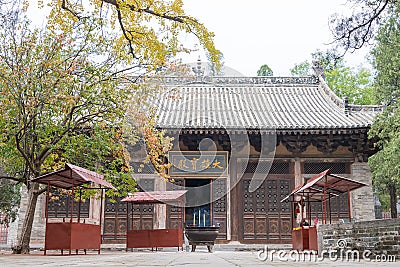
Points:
251	33
279	33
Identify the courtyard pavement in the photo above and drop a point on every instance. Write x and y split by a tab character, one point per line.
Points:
168	257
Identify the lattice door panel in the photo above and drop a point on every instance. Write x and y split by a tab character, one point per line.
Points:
316	210
115	220
114	229
338	208
142	217
254	212
279	214
286	227
61	208
260	230
219	205
174	213
248	227
120	226
264	216
273	226
284	190
335	167
264	167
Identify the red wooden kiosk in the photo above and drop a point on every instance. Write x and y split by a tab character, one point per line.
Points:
321	187
155	238
72	235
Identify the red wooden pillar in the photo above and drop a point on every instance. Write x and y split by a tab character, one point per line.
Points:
348	203
324	203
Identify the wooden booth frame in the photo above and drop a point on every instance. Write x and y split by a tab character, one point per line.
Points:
72	235
155	238
321	188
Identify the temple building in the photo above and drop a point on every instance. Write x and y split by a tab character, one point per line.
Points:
241	144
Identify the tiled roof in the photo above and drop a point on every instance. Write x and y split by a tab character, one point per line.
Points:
294	103
72	176
332	183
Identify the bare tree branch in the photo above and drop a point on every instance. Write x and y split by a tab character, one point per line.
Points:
354	32
40	191
11	178
124	32
64	6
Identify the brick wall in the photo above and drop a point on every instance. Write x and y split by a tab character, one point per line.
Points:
379	236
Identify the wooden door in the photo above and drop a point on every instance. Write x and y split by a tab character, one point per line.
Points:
174	213
265	218
115	220
218	206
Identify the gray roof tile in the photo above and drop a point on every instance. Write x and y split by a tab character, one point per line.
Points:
295	103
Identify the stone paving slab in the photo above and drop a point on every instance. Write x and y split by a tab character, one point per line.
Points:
165	258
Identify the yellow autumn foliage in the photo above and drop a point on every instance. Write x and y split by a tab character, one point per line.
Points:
149	30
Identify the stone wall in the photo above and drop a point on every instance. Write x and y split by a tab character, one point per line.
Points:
12	233
362	199
39	222
378	236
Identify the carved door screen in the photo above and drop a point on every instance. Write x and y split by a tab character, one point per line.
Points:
174	213
265	218
114	230
218	188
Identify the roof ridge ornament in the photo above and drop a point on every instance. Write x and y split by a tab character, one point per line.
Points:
318	69
198	71
238	81
346	106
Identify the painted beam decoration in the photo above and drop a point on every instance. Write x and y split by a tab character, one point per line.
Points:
196	163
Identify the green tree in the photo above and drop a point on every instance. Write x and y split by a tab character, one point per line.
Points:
354	84
379	20
386	60
343	80
66	92
301	69
265	70
59	102
9	200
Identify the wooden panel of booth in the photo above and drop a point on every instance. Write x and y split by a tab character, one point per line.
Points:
154	238
67	235
305	238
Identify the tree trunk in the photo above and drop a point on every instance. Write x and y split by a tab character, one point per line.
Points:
24	239
393	200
